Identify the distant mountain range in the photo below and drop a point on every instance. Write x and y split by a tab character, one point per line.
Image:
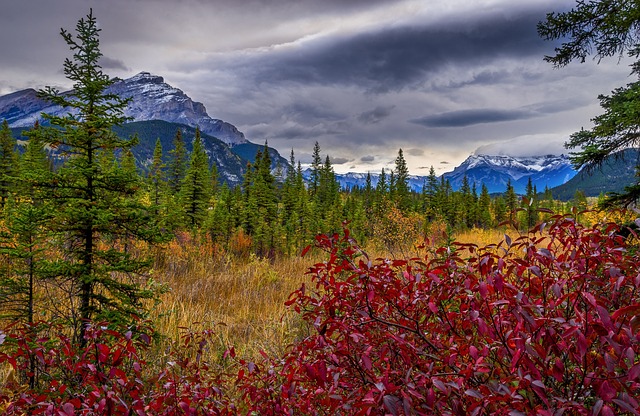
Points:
493	171
617	172
158	110
496	171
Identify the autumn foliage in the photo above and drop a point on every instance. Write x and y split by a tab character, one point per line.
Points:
547	323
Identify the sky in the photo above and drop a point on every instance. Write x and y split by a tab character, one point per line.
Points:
439	79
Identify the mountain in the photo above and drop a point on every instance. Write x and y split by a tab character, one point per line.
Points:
617	172
496	171
151	99
493	171
158	110
230	166
355	179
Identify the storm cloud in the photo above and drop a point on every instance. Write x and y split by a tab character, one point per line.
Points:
439	79
463	118
398	57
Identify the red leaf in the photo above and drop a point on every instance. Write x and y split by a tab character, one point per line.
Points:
366	362
67	410
634	372
606	391
626	311
392	404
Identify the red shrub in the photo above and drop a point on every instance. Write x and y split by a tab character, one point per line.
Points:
546	325
108	377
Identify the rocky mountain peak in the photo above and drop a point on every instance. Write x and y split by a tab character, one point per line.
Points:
151	99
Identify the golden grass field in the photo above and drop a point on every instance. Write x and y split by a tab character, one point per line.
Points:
242	298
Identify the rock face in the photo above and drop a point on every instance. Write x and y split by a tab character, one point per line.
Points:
151	99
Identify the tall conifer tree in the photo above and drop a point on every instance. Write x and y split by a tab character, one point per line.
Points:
92	202
195	191
178	163
8	162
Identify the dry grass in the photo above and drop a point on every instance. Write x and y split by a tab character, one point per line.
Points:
240	298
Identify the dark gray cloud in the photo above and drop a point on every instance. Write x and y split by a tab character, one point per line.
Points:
110	63
470	117
367	159
340	160
376	115
463	118
398	57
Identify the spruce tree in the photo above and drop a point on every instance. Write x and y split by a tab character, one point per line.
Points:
93	203
195	190
156	178
484	208
8	162
177	163
401	185
23	237
511	202
316	165
431	192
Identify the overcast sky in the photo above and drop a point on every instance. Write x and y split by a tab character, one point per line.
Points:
440	79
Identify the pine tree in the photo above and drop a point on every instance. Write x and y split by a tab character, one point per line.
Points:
430	194
156	178
511	201
195	190
177	163
316	165
401	185
8	162
532	205
368	194
93	203
465	206
381	193
215	178
128	167
263	191
484	208
499	209
23	238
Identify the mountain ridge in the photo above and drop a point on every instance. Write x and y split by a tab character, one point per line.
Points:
151	99
493	171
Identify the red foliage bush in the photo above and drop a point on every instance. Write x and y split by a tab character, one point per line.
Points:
108	376
546	324
540	325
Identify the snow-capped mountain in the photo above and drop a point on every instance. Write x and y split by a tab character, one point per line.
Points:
493	171
152	99
496	171
355	179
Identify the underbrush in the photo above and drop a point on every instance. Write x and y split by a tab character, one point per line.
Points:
546	322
